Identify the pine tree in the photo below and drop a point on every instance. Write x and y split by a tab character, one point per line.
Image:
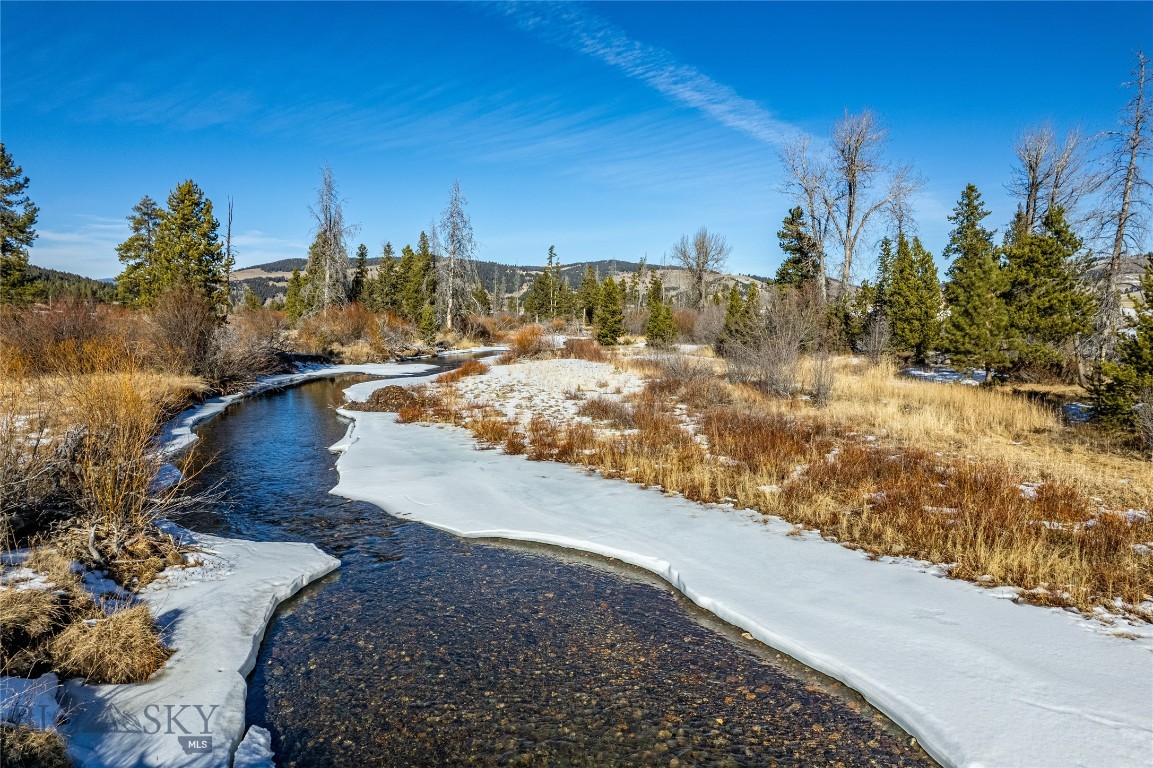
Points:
540	300
138	252
914	299
736	327
661	328
293	298
381	290
187	250
588	296
885	260
251	301
974	330
17	218
610	319
752	310
1048	306
357	289
1122	384
802	252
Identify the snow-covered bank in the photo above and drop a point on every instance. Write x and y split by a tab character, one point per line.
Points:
191	713
980	681
177	435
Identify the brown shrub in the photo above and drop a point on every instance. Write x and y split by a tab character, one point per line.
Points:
125	647
183	331
584	349
606	409
468	368
24	747
527	341
688	324
389	399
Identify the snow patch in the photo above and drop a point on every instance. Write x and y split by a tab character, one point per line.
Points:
214	616
941	657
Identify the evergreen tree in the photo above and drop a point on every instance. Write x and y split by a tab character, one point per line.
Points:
357	290
752	309
737	326
914	298
885	258
610	318
17	218
1120	385
138	252
802	252
251	301
382	289
540	300
293	298
1048	306
187	250
588	296
661	328
427	323
974	330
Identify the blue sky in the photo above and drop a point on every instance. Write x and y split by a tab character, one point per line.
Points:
607	129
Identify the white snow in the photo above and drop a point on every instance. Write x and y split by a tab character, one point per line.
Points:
214	616
255	751
554	388
978	679
30	702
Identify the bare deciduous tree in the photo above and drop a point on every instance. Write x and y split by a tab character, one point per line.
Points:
704	252
806	181
456	270
328	265
1128	188
1051	172
858	141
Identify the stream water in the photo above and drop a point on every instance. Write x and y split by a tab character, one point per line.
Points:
425	649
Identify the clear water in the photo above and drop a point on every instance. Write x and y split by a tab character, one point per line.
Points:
426	649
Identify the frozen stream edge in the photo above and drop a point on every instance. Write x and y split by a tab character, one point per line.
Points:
978	680
215	617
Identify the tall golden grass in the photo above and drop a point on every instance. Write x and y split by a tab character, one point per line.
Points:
868	470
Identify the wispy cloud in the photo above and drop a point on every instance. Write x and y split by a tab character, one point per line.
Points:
256	247
87	247
573	27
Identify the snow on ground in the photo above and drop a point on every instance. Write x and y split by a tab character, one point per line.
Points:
554	388
946	375
191	713
30	702
977	678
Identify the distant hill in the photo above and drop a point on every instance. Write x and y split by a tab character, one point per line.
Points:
270	280
49	284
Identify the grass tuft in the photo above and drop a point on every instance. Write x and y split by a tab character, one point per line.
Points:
123	647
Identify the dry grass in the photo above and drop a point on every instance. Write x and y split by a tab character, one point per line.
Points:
468	368
584	349
79	450
527	341
24	747
951	474
123	647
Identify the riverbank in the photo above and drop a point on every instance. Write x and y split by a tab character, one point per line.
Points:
213	614
950	662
